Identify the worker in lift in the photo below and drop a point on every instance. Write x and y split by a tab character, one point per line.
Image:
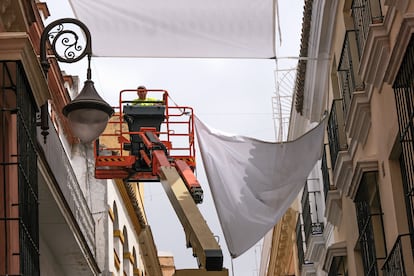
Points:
146	113
142	99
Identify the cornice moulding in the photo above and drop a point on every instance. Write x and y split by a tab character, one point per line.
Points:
359	118
398	51
361	167
335	250
16	46
343	170
333	210
376	55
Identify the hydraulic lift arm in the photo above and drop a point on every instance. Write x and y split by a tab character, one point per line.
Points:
198	234
175	177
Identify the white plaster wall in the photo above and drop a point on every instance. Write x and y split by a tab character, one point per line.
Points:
99	209
124	220
48	263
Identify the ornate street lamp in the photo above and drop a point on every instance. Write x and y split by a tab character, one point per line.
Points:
88	113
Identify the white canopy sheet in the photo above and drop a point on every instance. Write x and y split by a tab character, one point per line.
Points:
254	182
180	28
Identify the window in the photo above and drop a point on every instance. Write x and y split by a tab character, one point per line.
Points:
338	267
371	240
336	262
117	238
404	97
18	181
126	255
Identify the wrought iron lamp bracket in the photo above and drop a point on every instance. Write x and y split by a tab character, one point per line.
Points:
66	41
69	47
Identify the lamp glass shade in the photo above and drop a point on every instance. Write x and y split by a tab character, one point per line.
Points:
87	124
88	114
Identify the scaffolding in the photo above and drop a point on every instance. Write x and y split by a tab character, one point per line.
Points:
282	101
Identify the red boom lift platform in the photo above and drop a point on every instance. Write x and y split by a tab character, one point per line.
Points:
150	135
154	142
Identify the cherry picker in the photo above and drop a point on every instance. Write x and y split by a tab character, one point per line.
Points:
155	143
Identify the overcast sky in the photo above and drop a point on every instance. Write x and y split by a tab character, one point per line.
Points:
234	96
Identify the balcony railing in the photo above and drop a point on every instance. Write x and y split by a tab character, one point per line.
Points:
365	13
403	91
325	174
367	241
299	242
312	224
336	130
349	78
62	170
27	176
399	257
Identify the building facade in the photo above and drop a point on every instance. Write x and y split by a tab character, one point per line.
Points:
355	214
45	220
55	217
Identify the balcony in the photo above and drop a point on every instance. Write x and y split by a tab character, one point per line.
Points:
349	78
313	225
299	242
336	131
365	13
403	88
325	174
400	258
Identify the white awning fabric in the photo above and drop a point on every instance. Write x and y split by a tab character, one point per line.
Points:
180	28
254	182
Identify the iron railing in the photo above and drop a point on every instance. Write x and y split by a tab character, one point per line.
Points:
365	13
370	223
19	162
396	260
404	97
6	162
348	76
28	186
311	221
366	238
325	174
336	131
299	242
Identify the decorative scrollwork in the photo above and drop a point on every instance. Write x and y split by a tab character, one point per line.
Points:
69	40
66	44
